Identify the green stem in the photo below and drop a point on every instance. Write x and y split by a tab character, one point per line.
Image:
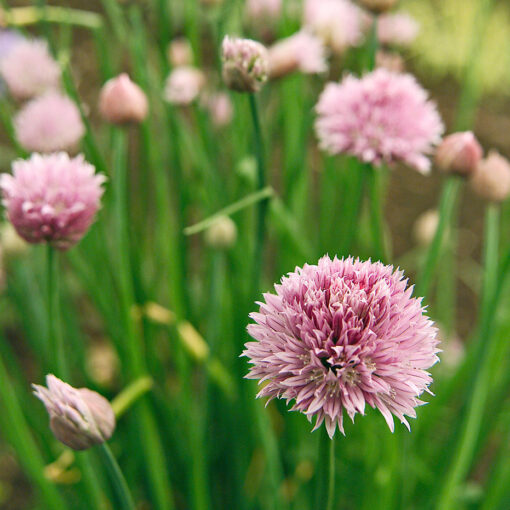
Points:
376	213
119	482
331	475
55	340
260	230
124	400
447	206
463	455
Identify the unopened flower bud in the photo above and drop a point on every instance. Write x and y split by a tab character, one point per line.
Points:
263	10
459	153
245	64
122	101
184	85
378	6
425	227
80	418
491	178
221	109
180	52
222	233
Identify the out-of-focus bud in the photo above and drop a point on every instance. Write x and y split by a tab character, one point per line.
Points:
491	178
245	64
300	52
222	233
459	153
378	6
79	418
180	53
425	227
102	363
122	101
391	61
11	243
221	109
263	10
184	85
397	29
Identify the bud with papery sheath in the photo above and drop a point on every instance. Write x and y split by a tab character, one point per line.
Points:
122	101
222	233
459	153
80	418
491	179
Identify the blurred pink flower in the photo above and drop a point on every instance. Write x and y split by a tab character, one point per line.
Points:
80	418
380	118
491	178
49	123
263	10
184	85
300	52
180	52
398	29
245	64
52	198
339	23
221	109
29	69
122	101
340	335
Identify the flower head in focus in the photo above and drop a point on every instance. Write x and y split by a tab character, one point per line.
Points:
29	70
339	23
300	52
49	123
339	335
380	118
184	85
52	198
398	29
245	64
122	101
80	418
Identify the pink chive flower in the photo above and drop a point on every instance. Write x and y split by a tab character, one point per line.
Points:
220	108
398	29
340	335
80	418
339	23
380	118
29	69
52	198
300	52
263	10
49	123
184	85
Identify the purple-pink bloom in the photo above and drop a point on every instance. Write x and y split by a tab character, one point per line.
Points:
399	29
380	118
49	123
52	198
29	69
339	335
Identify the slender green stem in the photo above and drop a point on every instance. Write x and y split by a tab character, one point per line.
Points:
464	451
118	480
124	400
55	340
260	230
331	475
377	213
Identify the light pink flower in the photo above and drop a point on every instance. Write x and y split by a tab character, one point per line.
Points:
398	29
300	52
29	69
491	178
122	101
80	418
184	85
245	64
263	10
221	109
459	153
339	23
180	52
52	198
379	118
49	123
339	335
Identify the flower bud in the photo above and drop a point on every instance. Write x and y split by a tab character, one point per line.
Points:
491	178
459	153
180	52
378	6
79	418
184	85
263	10
220	108
245	64
122	101
425	227
222	233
